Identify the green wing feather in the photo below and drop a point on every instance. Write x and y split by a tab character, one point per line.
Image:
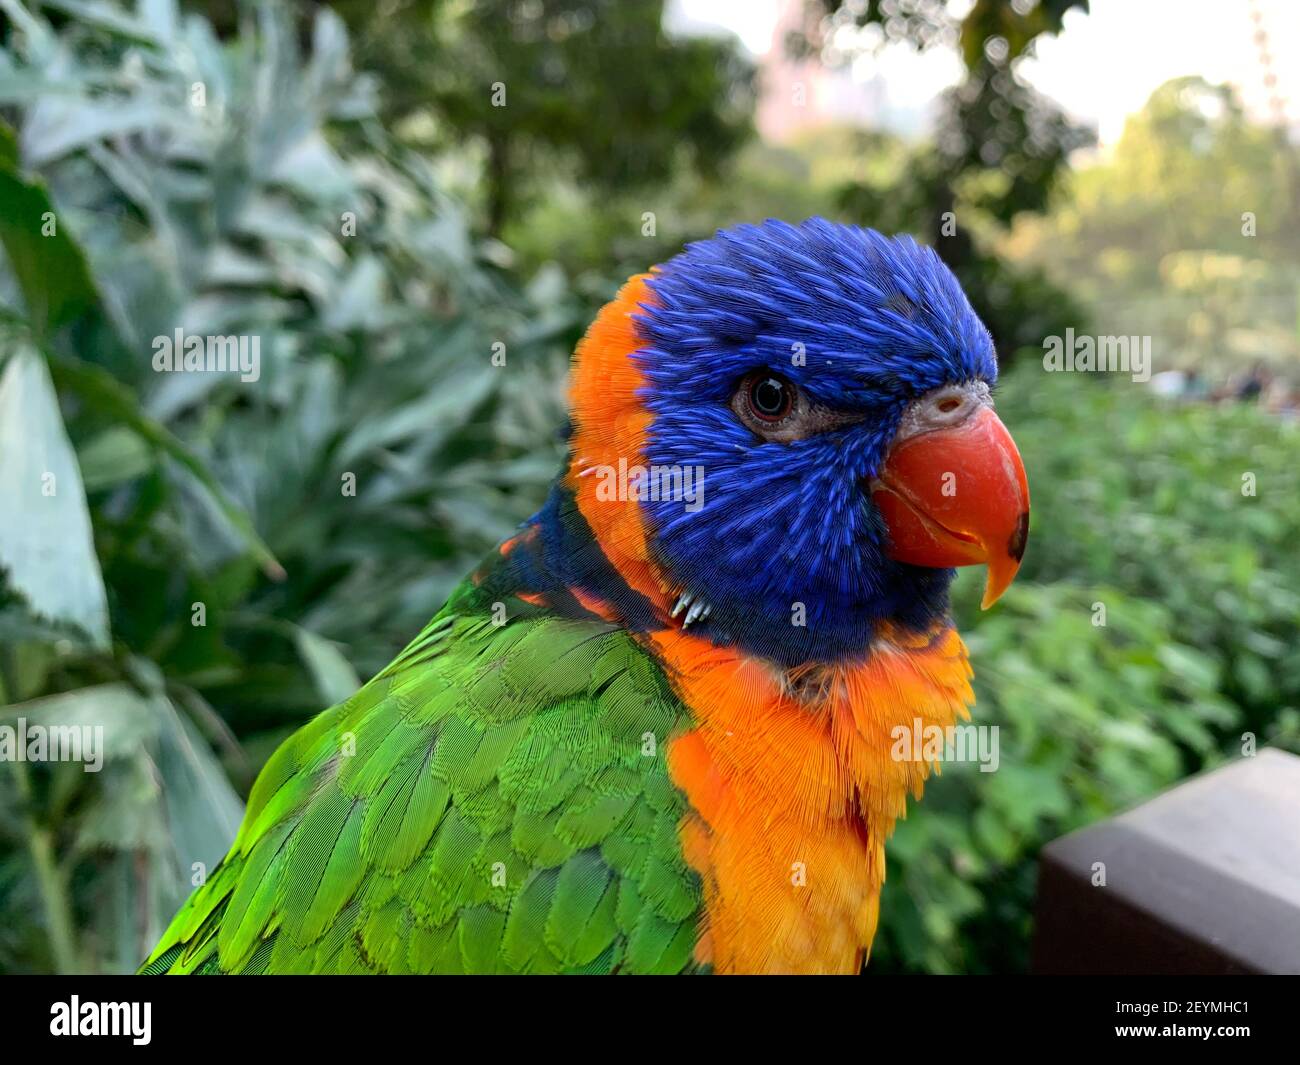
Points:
487	804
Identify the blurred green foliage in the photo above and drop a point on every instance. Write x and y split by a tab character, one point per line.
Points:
1194	507
1213	279
284	205
278	208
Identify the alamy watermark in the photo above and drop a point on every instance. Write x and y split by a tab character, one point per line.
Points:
53	743
178	352
919	742
1108	354
77	1018
684	484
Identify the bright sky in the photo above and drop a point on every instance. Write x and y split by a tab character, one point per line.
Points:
1102	67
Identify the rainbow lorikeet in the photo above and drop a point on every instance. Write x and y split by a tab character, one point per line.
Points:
652	733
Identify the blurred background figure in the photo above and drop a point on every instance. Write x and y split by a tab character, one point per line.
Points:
408	213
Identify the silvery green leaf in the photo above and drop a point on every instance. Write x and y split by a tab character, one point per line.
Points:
126	718
333	674
46	543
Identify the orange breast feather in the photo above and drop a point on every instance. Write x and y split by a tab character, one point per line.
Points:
793	794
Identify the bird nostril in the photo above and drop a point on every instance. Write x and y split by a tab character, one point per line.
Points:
947	406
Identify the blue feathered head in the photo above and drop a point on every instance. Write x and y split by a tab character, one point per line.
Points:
779	365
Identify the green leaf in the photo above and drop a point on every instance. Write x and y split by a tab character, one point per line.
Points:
203	811
112	457
111	18
128	720
69	124
50	267
333	674
46	542
98	388
1187	665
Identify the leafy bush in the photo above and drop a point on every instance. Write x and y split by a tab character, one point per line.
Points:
1194	507
276	208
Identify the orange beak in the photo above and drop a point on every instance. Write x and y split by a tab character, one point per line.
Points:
957	496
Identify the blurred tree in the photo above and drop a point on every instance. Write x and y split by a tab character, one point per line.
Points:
593	89
997	151
1215	280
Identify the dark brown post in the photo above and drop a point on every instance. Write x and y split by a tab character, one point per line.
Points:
1202	879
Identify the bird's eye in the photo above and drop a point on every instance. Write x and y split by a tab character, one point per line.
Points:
775	409
770	398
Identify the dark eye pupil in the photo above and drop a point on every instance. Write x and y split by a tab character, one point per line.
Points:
770	397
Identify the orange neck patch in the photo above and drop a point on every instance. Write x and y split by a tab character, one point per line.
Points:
609	427
790	777
793	794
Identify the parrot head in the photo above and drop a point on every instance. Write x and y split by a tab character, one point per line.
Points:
824	393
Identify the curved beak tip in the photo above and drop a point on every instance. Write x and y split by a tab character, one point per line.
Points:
985	521
1003	568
